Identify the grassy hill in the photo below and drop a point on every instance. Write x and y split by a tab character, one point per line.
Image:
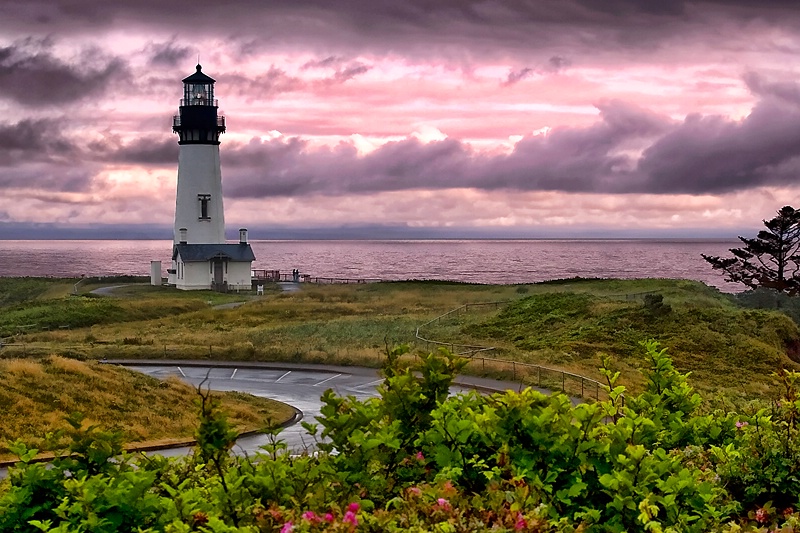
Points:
724	346
565	324
37	395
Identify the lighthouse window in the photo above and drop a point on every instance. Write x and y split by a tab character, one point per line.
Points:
204	199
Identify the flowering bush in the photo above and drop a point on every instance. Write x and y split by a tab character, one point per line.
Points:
417	460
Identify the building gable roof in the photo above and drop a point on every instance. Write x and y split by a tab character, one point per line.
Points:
241	252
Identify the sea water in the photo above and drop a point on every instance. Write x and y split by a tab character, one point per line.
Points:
475	261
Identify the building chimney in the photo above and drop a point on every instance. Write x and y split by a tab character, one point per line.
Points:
242	235
183	232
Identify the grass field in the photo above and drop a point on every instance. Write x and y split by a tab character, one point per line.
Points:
36	396
566	325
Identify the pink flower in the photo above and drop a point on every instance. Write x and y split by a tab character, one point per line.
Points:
444	504
741	424
520	524
353	507
414	491
762	515
311	516
329	517
350	518
420	457
287	527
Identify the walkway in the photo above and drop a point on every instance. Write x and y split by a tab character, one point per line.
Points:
299	385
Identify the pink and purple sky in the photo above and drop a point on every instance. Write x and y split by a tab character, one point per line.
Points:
522	118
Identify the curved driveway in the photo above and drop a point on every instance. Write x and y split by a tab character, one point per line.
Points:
299	385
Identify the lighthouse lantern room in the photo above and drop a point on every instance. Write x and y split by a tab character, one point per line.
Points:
201	259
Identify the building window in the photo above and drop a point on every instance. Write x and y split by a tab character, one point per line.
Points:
204	200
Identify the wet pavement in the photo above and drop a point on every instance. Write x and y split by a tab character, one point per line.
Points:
299	385
299	388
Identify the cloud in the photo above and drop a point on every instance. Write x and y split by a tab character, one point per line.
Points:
786	90
515	76
629	150
714	154
458	29
148	151
553	65
350	71
556	63
167	54
43	176
342	73
33	140
262	85
330	61
31	75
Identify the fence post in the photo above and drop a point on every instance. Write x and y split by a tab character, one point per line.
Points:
483	362
513	370
563	382
539	376
210	354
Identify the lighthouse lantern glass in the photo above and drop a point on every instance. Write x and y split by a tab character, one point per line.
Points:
199	94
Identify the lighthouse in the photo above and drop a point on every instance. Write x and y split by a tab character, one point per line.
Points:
201	258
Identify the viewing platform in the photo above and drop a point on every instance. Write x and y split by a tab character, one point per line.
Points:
261	276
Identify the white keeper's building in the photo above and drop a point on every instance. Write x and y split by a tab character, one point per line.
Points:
201	259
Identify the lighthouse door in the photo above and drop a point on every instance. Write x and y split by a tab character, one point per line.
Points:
219	283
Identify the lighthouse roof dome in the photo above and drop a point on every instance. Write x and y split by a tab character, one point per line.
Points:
199	77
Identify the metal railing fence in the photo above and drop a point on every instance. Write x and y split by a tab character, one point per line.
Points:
525	373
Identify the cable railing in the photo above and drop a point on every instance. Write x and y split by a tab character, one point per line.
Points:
525	373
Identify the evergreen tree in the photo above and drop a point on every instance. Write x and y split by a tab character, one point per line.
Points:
770	260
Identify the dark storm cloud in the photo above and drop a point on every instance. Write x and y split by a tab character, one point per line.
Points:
35	154
330	61
517	75
33	140
714	154
554	64
31	75
146	151
46	177
343	72
557	63
465	28
350	71
262	85
787	90
697	156
167	54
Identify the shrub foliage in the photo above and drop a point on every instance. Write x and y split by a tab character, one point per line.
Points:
416	459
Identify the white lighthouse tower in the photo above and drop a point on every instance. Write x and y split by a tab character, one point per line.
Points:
200	258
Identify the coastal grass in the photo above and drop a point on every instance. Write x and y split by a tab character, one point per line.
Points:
36	396
725	347
564	324
36	304
19	290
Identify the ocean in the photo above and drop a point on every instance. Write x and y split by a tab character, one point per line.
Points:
475	261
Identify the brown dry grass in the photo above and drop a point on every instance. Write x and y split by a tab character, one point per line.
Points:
37	395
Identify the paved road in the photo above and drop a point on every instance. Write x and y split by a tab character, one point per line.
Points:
297	385
298	388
